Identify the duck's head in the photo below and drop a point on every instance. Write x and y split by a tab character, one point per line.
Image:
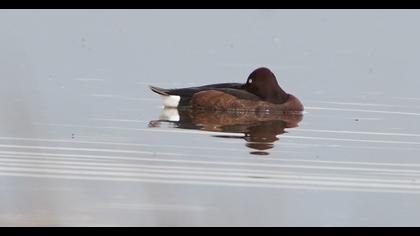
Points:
263	83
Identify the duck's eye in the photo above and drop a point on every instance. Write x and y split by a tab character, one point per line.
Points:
250	81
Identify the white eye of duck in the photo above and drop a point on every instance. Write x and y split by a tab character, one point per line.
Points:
250	81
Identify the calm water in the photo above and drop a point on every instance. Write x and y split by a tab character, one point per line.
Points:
84	142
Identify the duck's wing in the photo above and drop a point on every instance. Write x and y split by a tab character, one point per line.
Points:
239	93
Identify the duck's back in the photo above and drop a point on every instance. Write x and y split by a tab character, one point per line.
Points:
190	91
183	95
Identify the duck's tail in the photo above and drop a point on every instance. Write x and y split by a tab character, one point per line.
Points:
160	91
168	99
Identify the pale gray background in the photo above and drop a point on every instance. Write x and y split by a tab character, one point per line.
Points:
75	148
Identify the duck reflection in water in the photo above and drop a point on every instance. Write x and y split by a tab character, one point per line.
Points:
260	129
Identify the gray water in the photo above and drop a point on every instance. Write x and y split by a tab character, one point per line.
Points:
81	144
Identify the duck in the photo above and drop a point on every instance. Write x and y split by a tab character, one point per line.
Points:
260	92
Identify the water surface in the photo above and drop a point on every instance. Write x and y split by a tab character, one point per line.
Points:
84	142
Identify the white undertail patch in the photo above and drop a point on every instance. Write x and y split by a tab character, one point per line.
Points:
169	114
170	100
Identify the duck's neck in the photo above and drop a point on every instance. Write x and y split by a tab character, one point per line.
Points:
277	96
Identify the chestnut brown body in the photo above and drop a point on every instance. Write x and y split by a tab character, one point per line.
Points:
219	100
